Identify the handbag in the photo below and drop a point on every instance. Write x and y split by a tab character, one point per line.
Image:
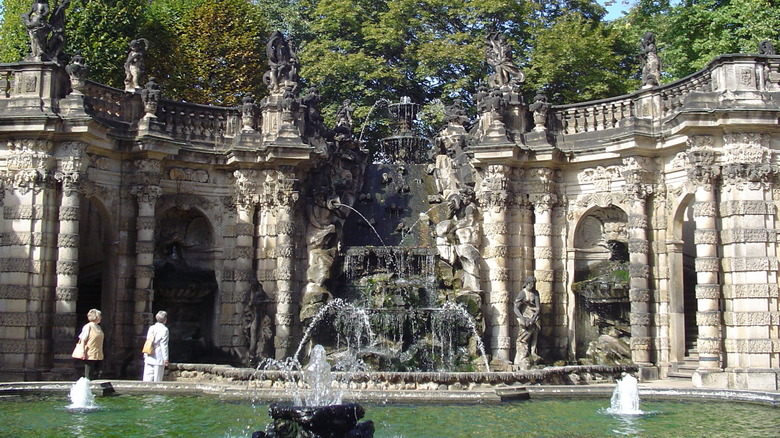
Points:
78	352
148	346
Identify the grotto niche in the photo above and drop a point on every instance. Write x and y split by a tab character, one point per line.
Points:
185	284
601	286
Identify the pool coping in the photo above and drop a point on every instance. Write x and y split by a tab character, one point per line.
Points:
498	394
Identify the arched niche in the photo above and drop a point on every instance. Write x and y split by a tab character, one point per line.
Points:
602	305
95	289
185	284
683	329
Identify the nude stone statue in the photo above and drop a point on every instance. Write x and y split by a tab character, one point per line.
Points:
527	309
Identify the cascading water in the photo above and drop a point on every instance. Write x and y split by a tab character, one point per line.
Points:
625	398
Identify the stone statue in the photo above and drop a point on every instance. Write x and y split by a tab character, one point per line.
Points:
651	65
38	28
248	111
134	64
77	71
282	63
499	56
465	229
540	106
527	310
257	331
57	24
766	48
150	95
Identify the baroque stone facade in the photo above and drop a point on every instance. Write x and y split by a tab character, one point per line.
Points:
128	202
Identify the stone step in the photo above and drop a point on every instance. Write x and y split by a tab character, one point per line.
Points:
679	375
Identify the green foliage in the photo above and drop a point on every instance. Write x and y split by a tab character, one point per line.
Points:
219	53
15	42
576	60
101	31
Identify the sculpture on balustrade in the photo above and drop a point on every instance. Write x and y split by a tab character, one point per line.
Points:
527	308
77	71
57	39
540	107
150	95
46	30
651	64
282	63
135	70
499	56
766	48
248	112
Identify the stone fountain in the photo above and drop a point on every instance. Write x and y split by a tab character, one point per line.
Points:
321	412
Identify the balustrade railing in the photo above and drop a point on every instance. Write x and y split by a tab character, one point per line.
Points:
608	113
198	123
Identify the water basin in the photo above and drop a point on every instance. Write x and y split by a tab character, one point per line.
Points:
152	415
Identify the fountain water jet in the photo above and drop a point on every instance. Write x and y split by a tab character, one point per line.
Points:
625	398
81	396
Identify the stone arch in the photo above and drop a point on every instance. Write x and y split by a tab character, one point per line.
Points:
683	330
600	318
185	283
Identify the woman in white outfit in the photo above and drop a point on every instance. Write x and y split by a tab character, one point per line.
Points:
155	363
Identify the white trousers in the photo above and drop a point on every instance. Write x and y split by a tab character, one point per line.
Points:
153	373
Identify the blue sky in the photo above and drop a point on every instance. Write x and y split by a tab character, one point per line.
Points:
615	10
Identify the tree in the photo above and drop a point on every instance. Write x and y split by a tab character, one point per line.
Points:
576	60
215	51
15	42
703	29
101	32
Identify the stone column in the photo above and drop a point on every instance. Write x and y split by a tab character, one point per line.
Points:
286	300
708	293
232	304
493	202
749	261
67	270
544	271
26	267
543	264
146	192
637	175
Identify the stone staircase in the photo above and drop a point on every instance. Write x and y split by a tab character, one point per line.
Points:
684	370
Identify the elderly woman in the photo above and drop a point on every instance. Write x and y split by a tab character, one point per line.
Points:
91	339
154	364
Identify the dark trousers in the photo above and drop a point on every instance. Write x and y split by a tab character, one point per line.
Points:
91	368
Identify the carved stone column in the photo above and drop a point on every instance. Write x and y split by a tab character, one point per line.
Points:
67	269
246	200
29	218
638	187
286	300
705	213
749	261
146	192
493	198
543	264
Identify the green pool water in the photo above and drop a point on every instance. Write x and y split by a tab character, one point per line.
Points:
209	417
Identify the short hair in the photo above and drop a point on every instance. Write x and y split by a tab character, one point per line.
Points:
161	316
94	314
